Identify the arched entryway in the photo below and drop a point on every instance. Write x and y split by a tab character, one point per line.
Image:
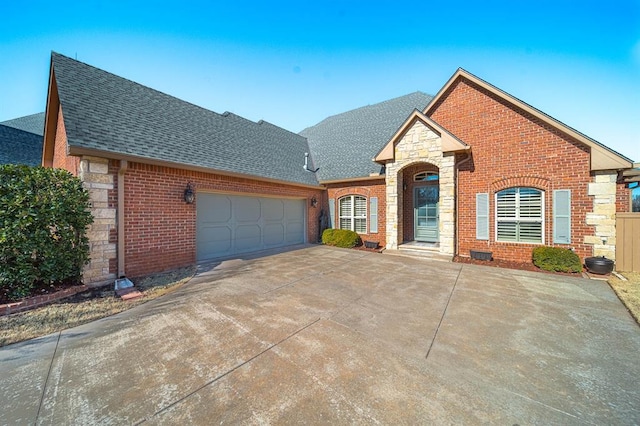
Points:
421	204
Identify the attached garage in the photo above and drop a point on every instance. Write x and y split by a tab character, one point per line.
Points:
233	224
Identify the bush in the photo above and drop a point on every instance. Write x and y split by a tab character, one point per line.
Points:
556	259
341	238
44	214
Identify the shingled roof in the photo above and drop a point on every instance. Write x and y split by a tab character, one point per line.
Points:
33	123
107	114
344	145
19	147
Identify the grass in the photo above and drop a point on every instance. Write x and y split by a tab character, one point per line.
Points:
85	307
628	292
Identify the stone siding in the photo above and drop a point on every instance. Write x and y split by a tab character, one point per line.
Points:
420	145
94	173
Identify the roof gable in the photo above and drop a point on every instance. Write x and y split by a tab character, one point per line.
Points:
114	117
449	142
344	145
602	157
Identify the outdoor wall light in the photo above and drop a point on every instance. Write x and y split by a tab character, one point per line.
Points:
314	202
189	194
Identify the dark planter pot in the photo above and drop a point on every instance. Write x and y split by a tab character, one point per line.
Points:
371	244
599	265
481	255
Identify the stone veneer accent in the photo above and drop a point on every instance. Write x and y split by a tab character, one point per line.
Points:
421	145
603	216
94	173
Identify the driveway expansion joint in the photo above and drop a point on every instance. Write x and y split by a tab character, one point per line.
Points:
226	373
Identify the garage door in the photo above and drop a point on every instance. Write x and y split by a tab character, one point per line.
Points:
233	224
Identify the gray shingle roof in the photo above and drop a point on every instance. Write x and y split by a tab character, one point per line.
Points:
19	147
111	114
343	145
33	123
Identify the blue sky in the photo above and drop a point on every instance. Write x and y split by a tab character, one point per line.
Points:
295	63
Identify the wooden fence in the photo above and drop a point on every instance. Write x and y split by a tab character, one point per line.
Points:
628	242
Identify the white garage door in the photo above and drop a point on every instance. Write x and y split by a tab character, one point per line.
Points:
233	224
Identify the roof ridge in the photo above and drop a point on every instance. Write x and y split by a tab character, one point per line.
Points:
386	101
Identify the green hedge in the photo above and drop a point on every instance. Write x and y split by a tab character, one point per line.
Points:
341	238
44	214
556	259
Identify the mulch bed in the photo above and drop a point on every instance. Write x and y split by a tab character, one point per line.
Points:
523	266
40	290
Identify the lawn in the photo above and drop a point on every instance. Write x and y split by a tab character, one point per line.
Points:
628	292
85	307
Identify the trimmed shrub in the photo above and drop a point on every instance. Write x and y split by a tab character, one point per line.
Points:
341	238
556	259
44	214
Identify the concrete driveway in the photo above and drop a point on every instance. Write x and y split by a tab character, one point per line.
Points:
325	335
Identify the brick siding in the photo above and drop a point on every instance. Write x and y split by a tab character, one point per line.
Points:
512	148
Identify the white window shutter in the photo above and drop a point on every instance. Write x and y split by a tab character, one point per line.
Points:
562	216
373	215
482	216
332	212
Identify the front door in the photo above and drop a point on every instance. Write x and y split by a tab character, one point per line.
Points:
425	210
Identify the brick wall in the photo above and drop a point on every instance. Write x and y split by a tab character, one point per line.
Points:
160	228
370	188
623	198
60	158
512	148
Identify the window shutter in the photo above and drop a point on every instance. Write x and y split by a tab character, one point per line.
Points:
562	216
373	215
482	216
332	212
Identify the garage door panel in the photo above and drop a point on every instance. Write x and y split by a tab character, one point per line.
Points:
218	208
273	209
231	224
246	209
248	237
215	239
274	234
295	233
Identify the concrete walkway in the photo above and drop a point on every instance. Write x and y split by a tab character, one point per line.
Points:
324	335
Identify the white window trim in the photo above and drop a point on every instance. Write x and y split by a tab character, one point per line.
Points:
543	214
353	216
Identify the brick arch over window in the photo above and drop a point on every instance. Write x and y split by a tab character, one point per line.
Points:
354	190
521	181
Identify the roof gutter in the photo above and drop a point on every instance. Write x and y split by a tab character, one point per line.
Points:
355	179
79	151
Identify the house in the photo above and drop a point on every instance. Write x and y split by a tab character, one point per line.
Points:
21	140
472	168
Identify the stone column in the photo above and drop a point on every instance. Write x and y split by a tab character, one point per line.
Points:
94	173
603	216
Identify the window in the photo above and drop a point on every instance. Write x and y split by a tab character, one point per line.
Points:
353	213
425	177
519	215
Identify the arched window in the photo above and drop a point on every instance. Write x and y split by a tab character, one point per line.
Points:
353	213
520	215
425	177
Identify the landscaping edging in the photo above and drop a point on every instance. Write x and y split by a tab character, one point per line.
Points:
34	302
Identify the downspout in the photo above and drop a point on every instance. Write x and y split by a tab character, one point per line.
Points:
120	217
457	239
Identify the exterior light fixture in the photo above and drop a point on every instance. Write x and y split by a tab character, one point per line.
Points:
314	202
189	194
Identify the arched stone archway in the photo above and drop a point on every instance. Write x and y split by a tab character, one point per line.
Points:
420	145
